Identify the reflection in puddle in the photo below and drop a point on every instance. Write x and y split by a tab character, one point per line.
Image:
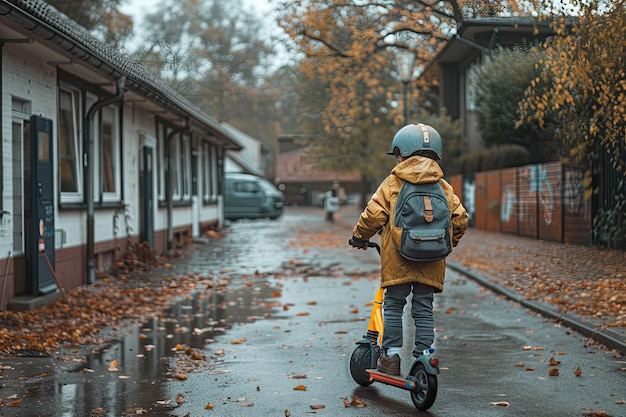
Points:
166	347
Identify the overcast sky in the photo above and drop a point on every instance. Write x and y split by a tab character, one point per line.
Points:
137	8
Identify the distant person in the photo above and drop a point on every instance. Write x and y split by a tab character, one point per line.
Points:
331	205
417	147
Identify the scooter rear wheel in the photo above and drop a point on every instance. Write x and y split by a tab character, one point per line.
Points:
361	360
424	394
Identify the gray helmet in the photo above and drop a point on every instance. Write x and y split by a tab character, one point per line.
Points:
416	137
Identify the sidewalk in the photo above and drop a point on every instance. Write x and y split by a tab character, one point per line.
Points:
583	287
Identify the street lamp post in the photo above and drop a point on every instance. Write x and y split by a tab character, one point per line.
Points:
405	60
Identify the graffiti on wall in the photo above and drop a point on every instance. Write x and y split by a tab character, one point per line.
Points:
574	194
469	197
545	201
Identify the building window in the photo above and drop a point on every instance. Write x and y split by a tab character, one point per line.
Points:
209	167
185	166
109	155
176	165
70	172
175	160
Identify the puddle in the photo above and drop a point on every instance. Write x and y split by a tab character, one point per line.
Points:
149	356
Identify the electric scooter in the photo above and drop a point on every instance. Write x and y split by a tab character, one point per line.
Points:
422	378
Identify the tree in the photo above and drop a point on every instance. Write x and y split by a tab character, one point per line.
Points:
102	17
348	48
585	64
583	81
212	52
500	84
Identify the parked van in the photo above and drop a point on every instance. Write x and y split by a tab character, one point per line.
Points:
251	197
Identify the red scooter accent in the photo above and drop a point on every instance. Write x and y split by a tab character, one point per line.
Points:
396	381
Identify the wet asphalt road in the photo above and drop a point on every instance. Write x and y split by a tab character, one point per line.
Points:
297	304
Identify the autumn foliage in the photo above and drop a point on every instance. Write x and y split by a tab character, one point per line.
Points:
583	80
350	50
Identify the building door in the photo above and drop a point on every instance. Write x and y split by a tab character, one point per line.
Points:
20	171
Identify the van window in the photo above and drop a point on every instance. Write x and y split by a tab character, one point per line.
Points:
246	187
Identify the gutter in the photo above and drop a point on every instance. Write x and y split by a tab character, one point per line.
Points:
90	174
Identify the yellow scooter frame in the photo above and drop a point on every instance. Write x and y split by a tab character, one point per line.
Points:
422	378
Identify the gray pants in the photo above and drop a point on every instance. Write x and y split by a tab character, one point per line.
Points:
421	310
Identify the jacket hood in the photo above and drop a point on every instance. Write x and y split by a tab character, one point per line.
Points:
418	170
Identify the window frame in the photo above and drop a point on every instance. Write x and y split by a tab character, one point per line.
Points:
210	175
174	159
76	145
101	195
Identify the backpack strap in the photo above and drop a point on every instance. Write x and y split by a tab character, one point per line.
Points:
428	209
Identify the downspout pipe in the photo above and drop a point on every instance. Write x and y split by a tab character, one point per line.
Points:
90	174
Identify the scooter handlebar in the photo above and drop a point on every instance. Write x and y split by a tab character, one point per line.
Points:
374	245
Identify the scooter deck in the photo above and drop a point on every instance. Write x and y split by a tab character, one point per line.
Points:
396	381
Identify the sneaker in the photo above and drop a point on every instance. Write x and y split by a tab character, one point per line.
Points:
389	364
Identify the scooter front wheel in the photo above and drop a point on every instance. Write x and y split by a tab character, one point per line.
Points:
361	360
425	392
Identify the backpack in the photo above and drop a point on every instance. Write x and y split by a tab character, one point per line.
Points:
422	215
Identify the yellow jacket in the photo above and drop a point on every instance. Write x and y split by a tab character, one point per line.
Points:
379	212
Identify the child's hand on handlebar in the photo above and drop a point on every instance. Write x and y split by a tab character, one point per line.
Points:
358	243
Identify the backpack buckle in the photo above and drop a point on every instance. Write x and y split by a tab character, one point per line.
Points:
428	209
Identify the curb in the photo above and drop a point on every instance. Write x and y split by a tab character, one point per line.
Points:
607	337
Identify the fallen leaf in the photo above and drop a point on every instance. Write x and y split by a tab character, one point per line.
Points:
113	366
317	407
578	371
554	362
209	406
357	402
135	411
346	402
300	388
298	376
500	403
287	413
14	403
554	372
180	398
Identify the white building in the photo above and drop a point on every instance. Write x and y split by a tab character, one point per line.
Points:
96	154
